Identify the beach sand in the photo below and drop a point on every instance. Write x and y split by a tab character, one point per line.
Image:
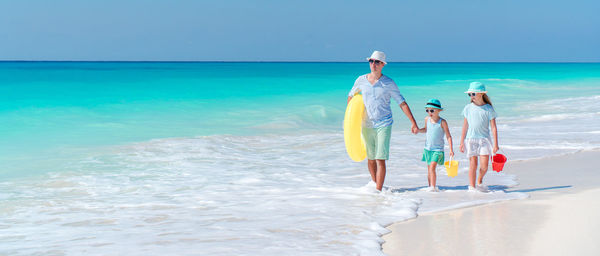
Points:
561	217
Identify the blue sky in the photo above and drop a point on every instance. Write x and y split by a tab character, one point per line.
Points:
228	30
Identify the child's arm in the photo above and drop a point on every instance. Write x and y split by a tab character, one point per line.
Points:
495	134
448	136
424	129
464	134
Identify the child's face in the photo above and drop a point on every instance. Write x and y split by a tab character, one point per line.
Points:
433	112
476	96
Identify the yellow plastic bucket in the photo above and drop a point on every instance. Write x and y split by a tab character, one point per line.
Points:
451	167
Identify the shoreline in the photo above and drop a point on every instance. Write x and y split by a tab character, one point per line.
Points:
560	212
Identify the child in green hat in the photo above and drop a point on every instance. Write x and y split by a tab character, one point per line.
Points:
435	128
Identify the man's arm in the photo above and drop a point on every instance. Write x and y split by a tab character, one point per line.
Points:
406	109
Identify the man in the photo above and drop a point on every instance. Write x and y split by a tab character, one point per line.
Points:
377	90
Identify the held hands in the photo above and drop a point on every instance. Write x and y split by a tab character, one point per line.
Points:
496	149
414	129
451	153
462	147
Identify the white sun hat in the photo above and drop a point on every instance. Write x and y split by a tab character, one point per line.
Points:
377	55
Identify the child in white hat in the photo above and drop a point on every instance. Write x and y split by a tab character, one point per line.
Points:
377	91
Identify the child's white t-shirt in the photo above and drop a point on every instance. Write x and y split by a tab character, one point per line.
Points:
479	118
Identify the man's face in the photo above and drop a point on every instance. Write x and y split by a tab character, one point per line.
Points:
375	65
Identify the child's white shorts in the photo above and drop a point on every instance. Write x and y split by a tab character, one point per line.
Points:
478	147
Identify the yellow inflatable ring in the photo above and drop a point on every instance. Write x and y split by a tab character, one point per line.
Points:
355	145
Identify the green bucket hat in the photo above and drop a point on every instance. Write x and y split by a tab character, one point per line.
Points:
434	103
476	87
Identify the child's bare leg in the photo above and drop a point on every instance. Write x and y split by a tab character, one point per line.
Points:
431	174
472	170
483	161
372	169
380	173
428	176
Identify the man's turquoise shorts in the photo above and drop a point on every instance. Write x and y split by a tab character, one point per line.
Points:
377	141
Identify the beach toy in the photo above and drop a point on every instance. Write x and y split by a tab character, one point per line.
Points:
355	146
451	167
498	161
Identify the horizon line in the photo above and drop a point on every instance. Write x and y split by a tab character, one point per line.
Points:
284	61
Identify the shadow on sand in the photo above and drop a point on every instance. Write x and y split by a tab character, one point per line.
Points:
490	187
538	189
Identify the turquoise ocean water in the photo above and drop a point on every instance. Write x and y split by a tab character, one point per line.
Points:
164	143
50	108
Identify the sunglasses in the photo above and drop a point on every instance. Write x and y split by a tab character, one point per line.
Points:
375	61
471	94
429	110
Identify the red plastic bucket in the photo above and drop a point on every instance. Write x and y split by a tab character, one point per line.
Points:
498	161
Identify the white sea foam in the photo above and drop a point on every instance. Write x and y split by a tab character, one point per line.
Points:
269	195
572	105
226	195
552	127
559	117
505	81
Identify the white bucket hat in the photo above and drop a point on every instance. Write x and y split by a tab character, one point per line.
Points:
377	55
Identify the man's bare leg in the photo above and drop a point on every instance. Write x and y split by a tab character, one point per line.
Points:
380	175
372	169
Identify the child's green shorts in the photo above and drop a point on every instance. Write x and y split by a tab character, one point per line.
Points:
433	156
377	142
